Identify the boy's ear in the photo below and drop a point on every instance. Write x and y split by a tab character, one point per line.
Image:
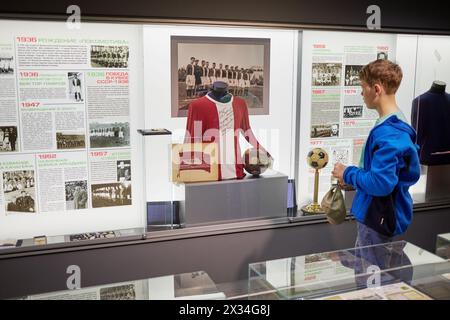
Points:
378	88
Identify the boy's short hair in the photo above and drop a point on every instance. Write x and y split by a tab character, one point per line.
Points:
385	72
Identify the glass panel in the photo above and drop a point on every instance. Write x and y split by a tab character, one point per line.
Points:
430	115
231	93
85	164
323	274
192	286
162	212
443	245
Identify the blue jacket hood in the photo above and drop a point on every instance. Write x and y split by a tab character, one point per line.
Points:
395	122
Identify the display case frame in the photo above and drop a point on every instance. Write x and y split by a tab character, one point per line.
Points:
293	218
142	236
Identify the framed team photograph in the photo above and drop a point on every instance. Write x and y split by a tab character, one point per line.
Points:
242	63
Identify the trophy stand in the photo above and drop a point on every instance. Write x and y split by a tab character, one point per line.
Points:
317	159
314	207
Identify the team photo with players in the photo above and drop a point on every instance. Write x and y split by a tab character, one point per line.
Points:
198	63
352	75
109	56
6	65
108	134
326	74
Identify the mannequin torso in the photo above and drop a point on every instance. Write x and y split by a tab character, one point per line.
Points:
430	117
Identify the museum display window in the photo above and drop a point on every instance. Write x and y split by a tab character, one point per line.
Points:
125	131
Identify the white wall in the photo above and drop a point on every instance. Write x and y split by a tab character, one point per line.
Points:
406	58
275	131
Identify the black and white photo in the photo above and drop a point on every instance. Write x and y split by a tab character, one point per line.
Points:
122	292
110	134
326	74
6	65
76	195
198	62
70	140
92	235
334	130
123	170
352	75
353	112
109	56
8	139
75	86
382	55
341	155
325	130
111	194
19	191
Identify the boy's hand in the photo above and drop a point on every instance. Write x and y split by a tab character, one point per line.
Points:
338	172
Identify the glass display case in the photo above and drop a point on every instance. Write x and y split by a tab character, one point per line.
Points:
193	286
107	174
160	208
399	270
443	245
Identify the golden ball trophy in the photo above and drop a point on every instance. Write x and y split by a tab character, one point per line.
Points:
317	159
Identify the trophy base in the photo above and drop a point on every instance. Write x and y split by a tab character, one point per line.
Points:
311	209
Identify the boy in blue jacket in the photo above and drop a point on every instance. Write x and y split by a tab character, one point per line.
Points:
389	163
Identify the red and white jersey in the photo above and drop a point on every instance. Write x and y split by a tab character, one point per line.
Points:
227	119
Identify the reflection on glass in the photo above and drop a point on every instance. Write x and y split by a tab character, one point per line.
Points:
400	265
192	286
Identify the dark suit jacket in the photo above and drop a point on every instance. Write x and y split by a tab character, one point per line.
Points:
430	117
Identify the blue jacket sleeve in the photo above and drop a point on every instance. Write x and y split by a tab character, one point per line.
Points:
382	177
